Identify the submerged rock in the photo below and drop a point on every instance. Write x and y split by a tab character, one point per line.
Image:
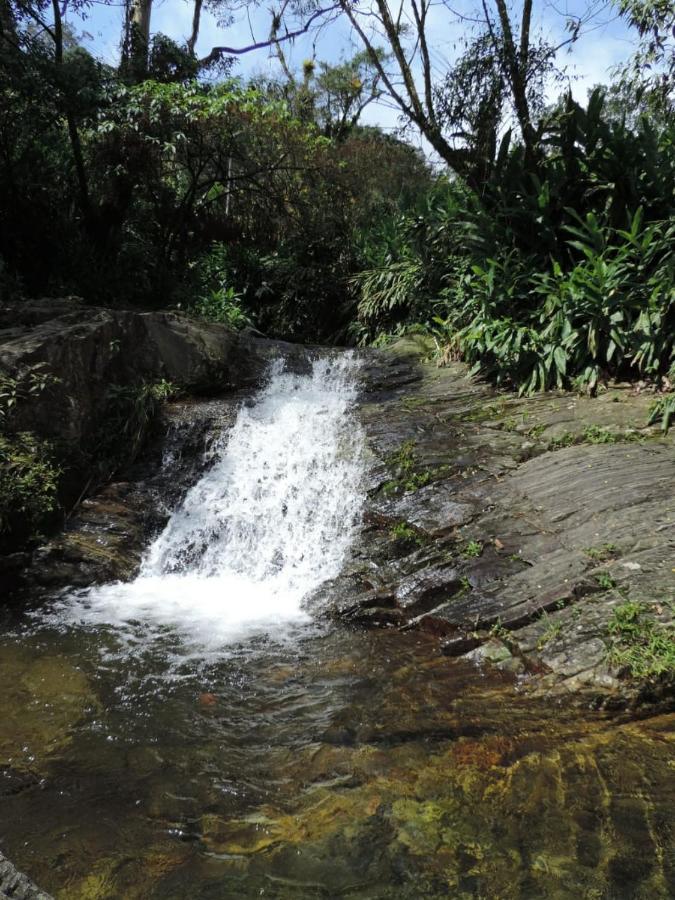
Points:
15	886
44	697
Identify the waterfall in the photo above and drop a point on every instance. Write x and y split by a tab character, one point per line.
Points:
270	520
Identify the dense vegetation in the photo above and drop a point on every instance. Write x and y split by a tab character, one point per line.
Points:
542	254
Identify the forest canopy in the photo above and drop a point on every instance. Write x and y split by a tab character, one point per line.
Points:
532	236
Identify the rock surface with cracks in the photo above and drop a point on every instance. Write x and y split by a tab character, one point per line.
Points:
513	528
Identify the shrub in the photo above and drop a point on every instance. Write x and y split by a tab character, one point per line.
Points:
28	486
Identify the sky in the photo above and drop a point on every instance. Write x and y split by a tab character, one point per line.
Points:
605	43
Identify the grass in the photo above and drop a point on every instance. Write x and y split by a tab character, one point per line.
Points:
472	549
602	553
605	580
405	533
640	646
536	431
553	631
499	631
593	434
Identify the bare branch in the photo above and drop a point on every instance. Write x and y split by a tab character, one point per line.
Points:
217	52
196	17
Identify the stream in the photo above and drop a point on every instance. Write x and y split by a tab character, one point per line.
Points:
204	731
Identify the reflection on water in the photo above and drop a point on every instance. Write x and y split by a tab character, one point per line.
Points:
342	764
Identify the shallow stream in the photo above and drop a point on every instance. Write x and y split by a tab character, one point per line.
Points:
198	733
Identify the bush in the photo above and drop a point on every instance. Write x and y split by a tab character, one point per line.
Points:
28	486
592	296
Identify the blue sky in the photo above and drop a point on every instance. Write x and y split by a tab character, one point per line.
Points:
605	43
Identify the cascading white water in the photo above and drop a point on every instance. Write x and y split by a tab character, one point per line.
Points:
270	520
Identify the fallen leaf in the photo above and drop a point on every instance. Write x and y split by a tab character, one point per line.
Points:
207	699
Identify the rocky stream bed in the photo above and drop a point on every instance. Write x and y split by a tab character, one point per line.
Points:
454	723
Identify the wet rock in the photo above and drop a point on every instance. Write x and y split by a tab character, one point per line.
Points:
89	356
15	885
523	495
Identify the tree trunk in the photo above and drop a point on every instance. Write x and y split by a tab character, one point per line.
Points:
73	133
137	40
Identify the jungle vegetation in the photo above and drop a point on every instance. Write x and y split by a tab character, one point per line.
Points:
535	240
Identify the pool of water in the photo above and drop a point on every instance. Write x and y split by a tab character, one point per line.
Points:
335	763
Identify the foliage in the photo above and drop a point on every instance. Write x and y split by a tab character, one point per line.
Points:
406	534
638	645
130	409
594	297
472	549
217	301
29	475
663	409
606	551
171	171
408	476
14	389
28	485
605	581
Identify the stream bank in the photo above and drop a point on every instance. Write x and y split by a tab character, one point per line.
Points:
523	532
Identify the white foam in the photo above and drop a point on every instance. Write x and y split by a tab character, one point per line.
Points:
269	521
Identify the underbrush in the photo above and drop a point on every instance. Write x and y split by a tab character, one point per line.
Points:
28	486
29	474
612	313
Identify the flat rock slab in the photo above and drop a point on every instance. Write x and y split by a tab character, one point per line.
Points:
549	512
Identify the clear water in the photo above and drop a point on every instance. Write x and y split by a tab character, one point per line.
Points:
197	734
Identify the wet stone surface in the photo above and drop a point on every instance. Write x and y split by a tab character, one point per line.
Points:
358	764
490	516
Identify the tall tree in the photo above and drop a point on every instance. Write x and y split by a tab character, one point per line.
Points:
501	70
136	45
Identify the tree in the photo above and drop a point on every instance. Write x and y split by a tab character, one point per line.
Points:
32	32
499	76
651	73
332	97
136	41
290	20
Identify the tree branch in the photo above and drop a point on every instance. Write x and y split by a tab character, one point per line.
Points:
196	19
217	52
